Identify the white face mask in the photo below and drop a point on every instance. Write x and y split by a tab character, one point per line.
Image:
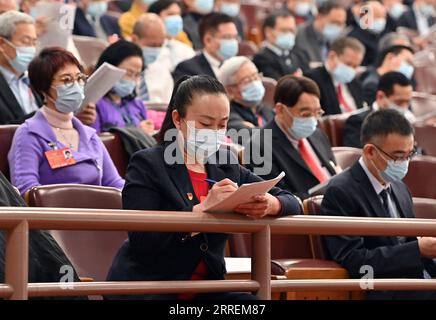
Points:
203	143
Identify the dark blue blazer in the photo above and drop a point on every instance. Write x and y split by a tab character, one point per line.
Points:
152	184
192	67
351	194
82	27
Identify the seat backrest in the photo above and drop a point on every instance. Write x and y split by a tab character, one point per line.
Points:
247	48
91	252
336	125
346	156
270	87
114	146
312	206
424	208
425	135
6	135
421	177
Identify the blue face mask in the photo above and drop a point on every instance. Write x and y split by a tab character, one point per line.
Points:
97	9
173	25
285	40
124	88
302	127
343	73
230	9
303	9
22	59
394	171
396	11
33	12
378	25
331	32
69	99
204	6
253	92
148	2
228	48
407	69
150	54
427	10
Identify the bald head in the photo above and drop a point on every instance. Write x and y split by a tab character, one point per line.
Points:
149	31
8	5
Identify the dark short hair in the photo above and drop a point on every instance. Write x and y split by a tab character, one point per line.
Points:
326	7
342	43
383	122
158	6
271	20
46	64
185	89
211	23
117	52
396	50
390	79
290	88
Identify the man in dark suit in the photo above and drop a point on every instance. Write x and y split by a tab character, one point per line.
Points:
220	39
17	49
92	21
395	58
313	39
277	59
419	17
394	91
296	147
370	27
340	90
244	86
372	187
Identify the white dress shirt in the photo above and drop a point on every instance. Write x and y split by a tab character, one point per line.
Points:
178	52
214	63
158	78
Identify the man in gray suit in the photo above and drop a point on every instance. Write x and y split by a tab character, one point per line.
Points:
314	38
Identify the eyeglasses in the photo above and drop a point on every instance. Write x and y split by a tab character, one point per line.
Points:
397	160
250	78
307	113
69	81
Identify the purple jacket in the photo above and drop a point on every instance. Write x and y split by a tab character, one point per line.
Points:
29	166
129	113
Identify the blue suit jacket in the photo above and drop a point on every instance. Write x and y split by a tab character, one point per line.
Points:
153	184
82	27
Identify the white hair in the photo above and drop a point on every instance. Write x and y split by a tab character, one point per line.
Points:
9	21
229	69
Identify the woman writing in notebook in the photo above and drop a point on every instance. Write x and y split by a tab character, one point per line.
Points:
172	177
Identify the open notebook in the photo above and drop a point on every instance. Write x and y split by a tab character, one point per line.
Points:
244	194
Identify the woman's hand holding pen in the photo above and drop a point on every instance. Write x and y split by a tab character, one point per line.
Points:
217	193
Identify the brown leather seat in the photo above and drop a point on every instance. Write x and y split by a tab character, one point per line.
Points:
424	208
421	177
91	252
6	135
116	150
247	48
270	87
346	156
425	135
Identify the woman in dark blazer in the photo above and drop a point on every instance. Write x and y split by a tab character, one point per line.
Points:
170	177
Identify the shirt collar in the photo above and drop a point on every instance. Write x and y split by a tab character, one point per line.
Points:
276	49
212	60
378	187
287	134
8	75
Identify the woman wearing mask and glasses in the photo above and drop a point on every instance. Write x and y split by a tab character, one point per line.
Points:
53	146
119	107
172	177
